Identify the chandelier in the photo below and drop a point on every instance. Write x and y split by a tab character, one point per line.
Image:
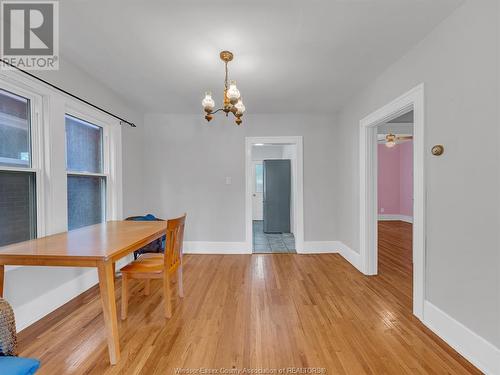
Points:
232	102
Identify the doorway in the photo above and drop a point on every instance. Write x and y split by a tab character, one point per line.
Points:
410	101
272	219
274	215
395	205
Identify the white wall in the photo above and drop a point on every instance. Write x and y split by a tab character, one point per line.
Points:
36	291
187	161
459	64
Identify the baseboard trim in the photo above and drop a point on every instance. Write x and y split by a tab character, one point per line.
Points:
322	247
310	247
481	353
351	256
390	217
206	247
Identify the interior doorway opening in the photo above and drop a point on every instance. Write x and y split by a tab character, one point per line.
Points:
272	203
412	100
274	195
395	205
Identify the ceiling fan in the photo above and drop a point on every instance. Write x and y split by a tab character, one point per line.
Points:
392	140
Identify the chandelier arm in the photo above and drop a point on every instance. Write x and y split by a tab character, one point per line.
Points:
214	112
221	109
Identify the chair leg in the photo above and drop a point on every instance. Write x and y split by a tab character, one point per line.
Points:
124	296
147	287
167	297
180	287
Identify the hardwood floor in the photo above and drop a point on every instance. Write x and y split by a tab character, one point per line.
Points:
258	311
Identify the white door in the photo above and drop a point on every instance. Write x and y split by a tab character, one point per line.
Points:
257	191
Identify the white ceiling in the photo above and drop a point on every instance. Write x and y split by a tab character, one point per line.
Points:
290	56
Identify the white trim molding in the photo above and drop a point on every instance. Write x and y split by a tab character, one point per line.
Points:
391	217
207	247
481	353
297	181
332	247
412	100
351	256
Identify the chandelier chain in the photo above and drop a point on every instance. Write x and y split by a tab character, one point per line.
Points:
225	81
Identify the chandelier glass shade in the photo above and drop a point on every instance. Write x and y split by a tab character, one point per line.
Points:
232	101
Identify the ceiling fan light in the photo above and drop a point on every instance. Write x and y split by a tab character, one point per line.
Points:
208	103
390	140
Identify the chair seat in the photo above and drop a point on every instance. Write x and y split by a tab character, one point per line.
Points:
146	263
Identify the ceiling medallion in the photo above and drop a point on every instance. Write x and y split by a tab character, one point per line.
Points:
232	98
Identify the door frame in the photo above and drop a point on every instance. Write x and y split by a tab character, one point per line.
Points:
413	99
297	182
254	164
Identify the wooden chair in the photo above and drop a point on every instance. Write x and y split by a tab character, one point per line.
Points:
158	266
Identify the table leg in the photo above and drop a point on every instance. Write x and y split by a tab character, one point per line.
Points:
107	289
2	271
114	273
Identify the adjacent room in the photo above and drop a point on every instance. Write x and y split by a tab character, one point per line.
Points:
395	204
272	198
193	187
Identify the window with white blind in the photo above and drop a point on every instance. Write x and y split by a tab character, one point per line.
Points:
18	219
85	173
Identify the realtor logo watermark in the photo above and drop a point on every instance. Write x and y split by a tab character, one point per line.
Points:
30	34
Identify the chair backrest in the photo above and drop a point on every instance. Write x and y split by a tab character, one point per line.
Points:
175	239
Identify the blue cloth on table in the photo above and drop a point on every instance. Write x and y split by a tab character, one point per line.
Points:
148	217
18	365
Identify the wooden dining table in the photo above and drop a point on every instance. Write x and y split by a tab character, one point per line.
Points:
98	246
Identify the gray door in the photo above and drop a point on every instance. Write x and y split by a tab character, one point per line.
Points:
277	186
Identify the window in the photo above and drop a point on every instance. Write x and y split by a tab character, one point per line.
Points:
17	177
259	178
86	178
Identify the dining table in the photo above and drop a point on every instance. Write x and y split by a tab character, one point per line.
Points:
99	246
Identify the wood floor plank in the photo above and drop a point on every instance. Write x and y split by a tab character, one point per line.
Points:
258	311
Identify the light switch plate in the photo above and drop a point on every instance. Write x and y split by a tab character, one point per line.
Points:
229	180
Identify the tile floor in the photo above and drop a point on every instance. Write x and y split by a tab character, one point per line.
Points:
271	242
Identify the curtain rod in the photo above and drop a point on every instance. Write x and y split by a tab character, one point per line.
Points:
122	120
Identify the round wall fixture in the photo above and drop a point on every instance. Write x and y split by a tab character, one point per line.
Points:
437	150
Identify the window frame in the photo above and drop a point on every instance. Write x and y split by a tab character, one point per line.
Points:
48	148
111	172
36	148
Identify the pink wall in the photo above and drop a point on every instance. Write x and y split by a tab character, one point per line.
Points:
395	179
406	178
